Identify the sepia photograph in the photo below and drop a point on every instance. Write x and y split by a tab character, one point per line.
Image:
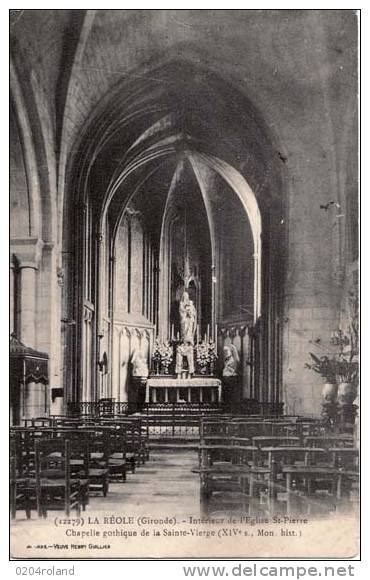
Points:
184	284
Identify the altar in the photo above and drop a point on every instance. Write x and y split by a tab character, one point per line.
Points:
176	390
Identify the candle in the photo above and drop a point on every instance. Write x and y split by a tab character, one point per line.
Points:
172	332
207	332
216	339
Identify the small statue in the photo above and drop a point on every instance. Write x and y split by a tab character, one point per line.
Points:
188	319
231	361
140	366
103	364
184	350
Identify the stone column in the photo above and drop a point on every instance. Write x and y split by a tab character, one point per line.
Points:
28	306
256	287
28	255
12	298
245	363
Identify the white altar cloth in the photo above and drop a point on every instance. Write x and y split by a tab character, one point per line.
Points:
170	383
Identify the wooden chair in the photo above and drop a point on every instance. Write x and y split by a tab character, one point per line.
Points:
55	489
346	459
79	461
135	451
316	480
289	455
259	486
283	428
39	422
221	476
117	455
308	486
144	426
22	488
99	450
330	440
216	439
244	431
261	441
222	467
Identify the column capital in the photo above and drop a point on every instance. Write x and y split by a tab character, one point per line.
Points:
27	252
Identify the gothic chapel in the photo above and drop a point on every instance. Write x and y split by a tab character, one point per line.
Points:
184	206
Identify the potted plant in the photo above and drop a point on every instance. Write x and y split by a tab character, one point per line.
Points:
340	370
326	367
347	367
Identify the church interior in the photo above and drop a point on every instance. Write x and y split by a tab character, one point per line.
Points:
184	257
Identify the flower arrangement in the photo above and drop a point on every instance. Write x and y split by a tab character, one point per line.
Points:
334	370
206	355
347	371
156	356
201	350
212	356
342	366
324	366
163	354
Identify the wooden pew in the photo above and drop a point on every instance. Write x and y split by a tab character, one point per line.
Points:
55	488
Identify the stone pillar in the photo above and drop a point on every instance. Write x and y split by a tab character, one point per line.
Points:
256	286
28	255
12	298
28	306
245	363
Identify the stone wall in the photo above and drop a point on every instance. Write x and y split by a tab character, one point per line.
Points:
299	70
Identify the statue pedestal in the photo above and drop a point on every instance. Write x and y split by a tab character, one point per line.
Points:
172	384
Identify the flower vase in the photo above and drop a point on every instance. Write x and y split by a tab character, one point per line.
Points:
347	411
347	393
329	392
165	370
329	403
203	370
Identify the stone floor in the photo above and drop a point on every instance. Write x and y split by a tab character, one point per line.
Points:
165	484
131	521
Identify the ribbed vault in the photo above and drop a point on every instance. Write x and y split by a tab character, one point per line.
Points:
133	144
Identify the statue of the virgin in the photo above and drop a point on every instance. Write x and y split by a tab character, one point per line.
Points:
188	319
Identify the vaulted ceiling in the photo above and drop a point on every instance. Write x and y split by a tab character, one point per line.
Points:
255	88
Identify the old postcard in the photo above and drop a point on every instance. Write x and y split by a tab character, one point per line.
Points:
184	284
